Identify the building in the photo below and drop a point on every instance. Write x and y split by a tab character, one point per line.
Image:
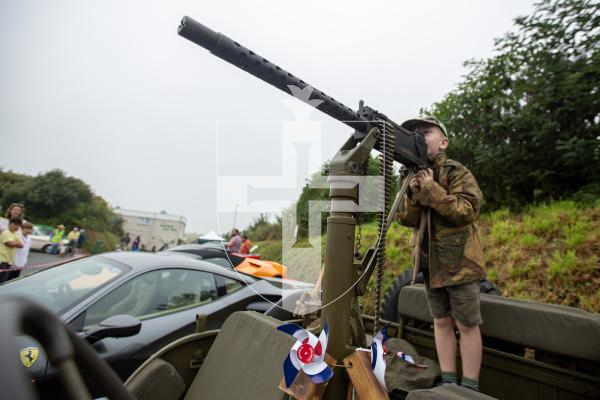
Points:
154	229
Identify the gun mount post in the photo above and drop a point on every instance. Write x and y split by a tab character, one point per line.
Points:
340	270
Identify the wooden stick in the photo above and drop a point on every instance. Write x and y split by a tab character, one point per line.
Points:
363	379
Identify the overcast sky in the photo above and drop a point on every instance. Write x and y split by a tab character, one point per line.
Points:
109	93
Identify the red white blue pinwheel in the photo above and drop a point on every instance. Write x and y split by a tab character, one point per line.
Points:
378	352
407	358
307	354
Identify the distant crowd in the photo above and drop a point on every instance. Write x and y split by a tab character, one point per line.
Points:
15	241
239	243
136	244
76	238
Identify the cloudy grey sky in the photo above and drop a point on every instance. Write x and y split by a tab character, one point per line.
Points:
108	92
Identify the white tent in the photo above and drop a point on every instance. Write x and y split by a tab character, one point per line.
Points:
211	236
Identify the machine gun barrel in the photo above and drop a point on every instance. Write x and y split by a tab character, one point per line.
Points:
247	60
410	148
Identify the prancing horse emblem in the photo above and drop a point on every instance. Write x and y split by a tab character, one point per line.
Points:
29	356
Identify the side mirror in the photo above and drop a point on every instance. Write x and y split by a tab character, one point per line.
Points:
116	326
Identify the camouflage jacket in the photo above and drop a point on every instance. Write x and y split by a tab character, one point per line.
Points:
448	207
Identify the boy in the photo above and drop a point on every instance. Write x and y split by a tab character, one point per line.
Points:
246	245
22	253
9	243
442	205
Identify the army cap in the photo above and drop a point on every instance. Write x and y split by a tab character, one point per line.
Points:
411	124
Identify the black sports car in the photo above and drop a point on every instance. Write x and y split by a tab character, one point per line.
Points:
164	291
217	254
211	252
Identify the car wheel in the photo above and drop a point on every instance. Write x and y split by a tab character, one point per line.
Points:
46	248
389	304
389	307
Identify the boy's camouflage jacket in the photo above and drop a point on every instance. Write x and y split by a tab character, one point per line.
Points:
449	206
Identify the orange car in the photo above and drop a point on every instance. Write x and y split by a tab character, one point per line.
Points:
253	266
216	254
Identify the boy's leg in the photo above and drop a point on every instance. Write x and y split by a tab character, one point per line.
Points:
445	343
470	350
443	330
464	300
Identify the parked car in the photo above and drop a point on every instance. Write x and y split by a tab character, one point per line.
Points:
217	254
40	238
164	291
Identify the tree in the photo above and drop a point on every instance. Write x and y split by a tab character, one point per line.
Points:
526	121
311	194
50	194
54	198
9	179
262	229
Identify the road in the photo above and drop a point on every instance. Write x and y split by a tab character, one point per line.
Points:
37	258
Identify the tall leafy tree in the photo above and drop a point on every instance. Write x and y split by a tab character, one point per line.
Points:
50	194
526	120
311	194
54	198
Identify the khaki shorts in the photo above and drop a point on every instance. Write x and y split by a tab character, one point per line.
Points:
460	301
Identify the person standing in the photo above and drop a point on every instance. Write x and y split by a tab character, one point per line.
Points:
235	242
135	246
22	254
9	243
125	240
13	211
246	245
57	238
73	236
442	205
80	241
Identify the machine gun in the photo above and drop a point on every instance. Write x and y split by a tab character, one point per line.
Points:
372	130
409	150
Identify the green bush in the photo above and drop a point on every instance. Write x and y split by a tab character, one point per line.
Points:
530	240
492	274
562	264
262	229
503	231
576	234
526	270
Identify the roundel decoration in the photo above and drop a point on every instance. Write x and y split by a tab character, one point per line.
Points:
307	354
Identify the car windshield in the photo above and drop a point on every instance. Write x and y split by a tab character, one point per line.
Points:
42	230
59	288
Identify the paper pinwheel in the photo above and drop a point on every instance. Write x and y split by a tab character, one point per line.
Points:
307	354
409	360
378	352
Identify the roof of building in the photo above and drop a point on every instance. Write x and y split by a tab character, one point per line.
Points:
151	215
